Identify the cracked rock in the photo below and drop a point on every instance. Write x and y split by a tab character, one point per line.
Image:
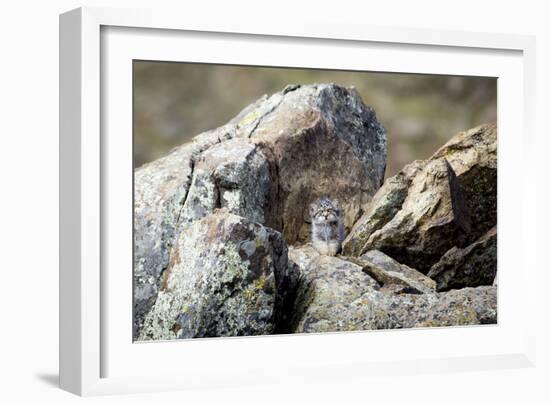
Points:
266	164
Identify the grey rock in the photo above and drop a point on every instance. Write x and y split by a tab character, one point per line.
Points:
388	271
228	288
233	175
160	189
465	307
473	156
266	164
432	206
335	294
433	218
321	140
381	209
472	266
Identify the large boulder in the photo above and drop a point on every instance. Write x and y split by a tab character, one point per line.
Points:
433	218
322	140
432	206
229	288
335	294
473	156
472	266
266	164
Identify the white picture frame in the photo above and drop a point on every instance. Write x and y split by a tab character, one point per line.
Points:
96	357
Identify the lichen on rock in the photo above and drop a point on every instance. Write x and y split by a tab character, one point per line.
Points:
225	289
333	294
337	295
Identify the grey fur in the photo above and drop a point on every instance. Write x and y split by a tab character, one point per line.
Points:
327	226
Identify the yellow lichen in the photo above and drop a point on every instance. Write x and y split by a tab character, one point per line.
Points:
252	116
260	283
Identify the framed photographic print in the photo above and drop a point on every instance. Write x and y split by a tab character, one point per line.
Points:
238	197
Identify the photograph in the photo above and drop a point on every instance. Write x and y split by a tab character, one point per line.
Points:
277	201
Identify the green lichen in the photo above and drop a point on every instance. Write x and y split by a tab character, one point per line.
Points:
466	317
252	116
260	283
234	266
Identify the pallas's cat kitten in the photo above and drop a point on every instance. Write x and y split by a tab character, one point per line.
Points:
327	225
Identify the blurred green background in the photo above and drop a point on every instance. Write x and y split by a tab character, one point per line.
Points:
173	102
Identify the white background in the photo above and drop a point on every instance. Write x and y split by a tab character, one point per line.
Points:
28	203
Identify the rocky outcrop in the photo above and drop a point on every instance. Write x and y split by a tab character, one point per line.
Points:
337	295
228	288
432	206
221	229
472	266
267	164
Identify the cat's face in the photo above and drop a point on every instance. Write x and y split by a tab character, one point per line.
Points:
325	209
